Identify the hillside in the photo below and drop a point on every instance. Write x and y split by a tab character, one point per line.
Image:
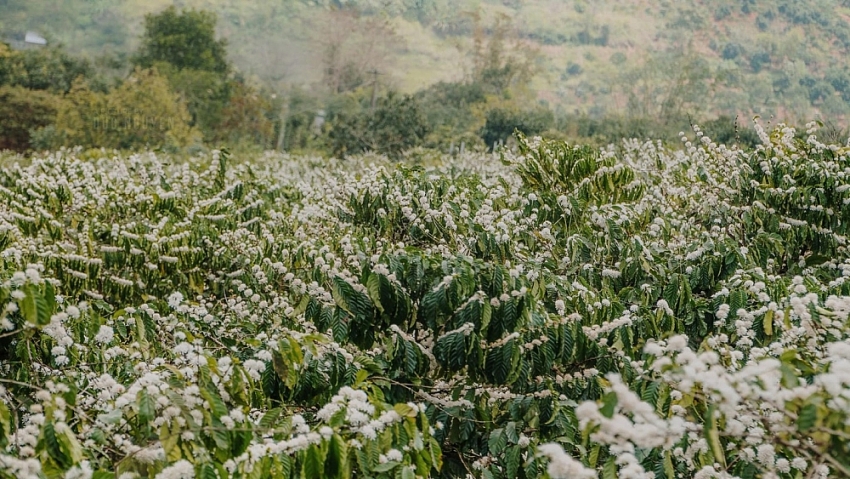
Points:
647	58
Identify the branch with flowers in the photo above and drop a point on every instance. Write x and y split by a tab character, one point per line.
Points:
563	311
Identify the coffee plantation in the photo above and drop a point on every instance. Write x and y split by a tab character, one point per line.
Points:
558	311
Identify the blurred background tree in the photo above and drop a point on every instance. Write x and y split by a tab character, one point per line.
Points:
452	112
355	48
248	117
393	126
605	90
182	45
141	113
501	61
502	121
51	69
22	112
184	39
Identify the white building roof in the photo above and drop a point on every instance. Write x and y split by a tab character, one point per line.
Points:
34	38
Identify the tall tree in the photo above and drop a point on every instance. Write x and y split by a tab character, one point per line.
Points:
183	47
248	117
501	61
49	68
21	112
142	113
184	39
395	125
502	120
354	47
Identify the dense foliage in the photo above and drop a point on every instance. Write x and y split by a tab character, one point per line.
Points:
23	111
596	75
184	39
627	312
143	112
395	125
177	90
183	46
771	57
502	121
50	69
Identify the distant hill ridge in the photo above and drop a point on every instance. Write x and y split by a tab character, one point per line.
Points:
778	57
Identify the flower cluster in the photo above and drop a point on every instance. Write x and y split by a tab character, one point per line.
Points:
631	311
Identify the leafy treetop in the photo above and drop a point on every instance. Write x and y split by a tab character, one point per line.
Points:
184	39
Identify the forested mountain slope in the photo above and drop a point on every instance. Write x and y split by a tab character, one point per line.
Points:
780	57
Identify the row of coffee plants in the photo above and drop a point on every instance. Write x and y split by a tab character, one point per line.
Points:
563	312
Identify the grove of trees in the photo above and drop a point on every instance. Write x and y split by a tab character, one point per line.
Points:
189	95
180	90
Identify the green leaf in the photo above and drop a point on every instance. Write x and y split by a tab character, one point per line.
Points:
50	443
50	300
609	402
768	322
497	441
450	351
216	404
373	285
349	299
594	456
502	361
43	310
609	470
5	424
405	410
713	436
112	417
313	464
208	472
436	453
650	393
513	457
668	465
147	407
486	316
511	432
807	418
69	444
280	364
27	305
170	441
220	435
295	352
270	418
737	300
411	356
335	459
816	260
285	466
387	466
